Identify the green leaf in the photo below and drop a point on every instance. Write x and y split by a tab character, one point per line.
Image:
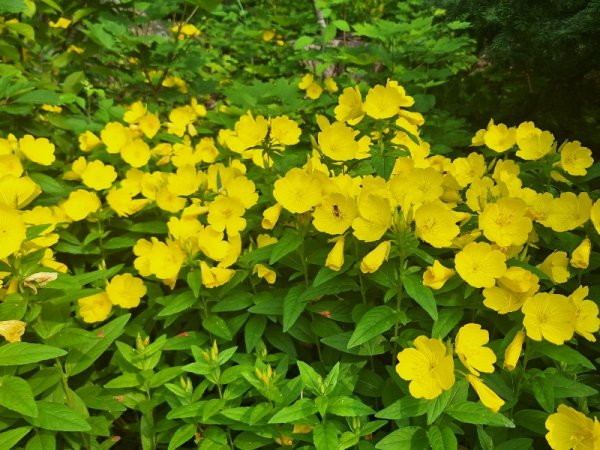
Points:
310	378
253	331
348	407
421	294
302	42
207	5
182	435
564	387
325	436
436	406
250	441
289	242
178	303
300	410
447	319
17	396
20	353
532	419
485	440
217	326
38	97
42	440
10	438
515	444
404	408
341	25
292	307
374	323
561	353
58	417
83	356
442	438
543	393
409	438
12	7
476	413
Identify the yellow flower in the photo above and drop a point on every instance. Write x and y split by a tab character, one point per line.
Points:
284	131
297	191
265	272
375	258
435	224
569	429
375	217
95	308
312	88
499	137
595	215
479	264
569	211
555	266
243	190
98	176
335	258
62	22
314	91
436	275
383	102
428	367
586	312
88	141
249	133
417	187
136	153
121	201
17	192
115	136
135	112
549	316
535	144
262	240
268	35
11	165
466	170
213	277
165	260
12	330
581	255
334	214
271	216
505	222
185	30
75	49
513	351
575	159
80	204
350	107
488	397
330	85
125	290
337	141
149	124
226	213
513	288
469	345
39	150
212	244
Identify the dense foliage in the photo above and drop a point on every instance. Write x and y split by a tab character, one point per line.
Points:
256	225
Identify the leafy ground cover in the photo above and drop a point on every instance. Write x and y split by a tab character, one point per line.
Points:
229	230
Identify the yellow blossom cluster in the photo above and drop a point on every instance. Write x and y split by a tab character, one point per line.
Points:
367	187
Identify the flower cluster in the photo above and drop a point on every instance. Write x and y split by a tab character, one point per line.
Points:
367	186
